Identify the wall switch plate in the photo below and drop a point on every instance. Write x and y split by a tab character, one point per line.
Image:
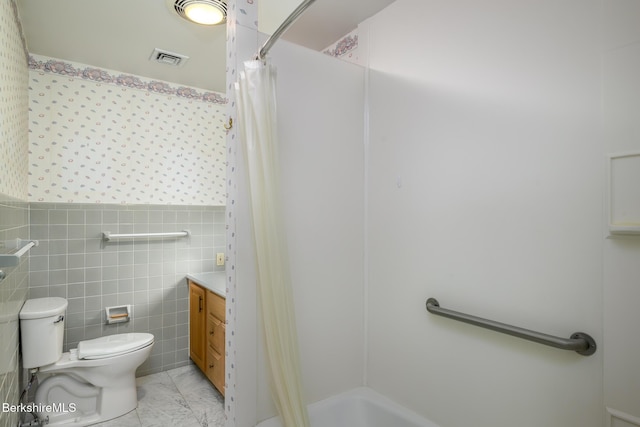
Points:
220	258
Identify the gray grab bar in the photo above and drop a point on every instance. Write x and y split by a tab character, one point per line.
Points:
579	342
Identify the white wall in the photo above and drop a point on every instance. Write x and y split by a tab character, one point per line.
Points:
486	193
621	91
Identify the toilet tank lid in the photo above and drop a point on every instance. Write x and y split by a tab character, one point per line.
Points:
113	345
38	308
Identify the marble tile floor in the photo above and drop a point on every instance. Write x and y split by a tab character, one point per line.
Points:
180	397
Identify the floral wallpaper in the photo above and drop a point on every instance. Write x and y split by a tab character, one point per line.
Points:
13	104
99	136
346	48
241	13
245	13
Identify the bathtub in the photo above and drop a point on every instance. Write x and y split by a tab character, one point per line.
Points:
360	407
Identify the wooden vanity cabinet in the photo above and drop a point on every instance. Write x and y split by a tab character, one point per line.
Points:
197	324
207	333
215	339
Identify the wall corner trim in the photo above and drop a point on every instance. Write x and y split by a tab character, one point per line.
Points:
614	415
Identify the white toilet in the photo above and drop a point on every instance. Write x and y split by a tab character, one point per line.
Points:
90	384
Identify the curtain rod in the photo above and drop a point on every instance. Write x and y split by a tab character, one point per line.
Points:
266	47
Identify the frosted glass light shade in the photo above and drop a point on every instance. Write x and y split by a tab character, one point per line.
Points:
203	13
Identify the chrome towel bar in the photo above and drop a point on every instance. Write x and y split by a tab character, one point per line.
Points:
107	236
579	342
17	247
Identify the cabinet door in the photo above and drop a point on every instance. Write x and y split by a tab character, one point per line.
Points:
197	319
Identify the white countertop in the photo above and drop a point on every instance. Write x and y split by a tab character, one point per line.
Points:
214	281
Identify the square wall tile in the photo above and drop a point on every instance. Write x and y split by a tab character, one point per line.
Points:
74	262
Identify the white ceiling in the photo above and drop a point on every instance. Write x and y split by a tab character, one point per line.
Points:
324	23
121	34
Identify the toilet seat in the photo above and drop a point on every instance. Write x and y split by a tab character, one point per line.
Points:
112	345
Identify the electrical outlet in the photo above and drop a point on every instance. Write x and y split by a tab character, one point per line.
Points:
220	258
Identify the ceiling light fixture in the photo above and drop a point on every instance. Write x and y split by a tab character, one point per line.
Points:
205	12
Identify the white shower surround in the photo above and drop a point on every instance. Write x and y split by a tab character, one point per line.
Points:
484	148
465	144
256	91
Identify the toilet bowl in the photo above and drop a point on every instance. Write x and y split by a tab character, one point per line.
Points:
92	383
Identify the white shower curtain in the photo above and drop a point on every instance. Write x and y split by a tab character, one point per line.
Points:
258	125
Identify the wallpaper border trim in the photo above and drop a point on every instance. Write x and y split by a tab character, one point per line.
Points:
343	46
64	68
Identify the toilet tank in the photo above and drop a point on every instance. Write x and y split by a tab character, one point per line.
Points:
42	331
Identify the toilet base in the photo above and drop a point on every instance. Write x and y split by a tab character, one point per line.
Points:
68	401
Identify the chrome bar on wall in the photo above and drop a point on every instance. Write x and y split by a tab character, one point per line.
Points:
262	53
579	342
17	248
107	236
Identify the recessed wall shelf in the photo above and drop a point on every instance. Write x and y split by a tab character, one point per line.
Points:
624	193
16	248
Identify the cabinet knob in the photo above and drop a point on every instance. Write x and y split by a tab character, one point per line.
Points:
211	332
210	366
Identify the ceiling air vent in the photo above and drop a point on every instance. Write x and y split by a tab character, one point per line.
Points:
168	58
